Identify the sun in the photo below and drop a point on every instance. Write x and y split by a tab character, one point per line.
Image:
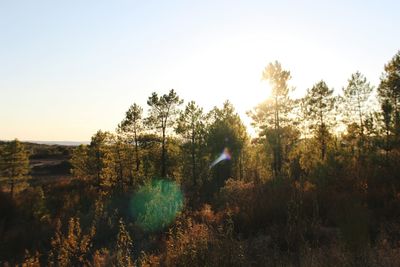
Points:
259	92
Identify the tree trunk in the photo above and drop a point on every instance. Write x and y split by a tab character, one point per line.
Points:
136	157
163	155
193	160
137	152
387	143
277	164
322	135
361	142
323	143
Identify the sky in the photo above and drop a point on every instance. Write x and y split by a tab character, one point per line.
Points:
70	68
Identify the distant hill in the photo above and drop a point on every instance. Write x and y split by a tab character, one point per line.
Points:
61	143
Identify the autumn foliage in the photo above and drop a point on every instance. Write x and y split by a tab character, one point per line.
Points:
317	185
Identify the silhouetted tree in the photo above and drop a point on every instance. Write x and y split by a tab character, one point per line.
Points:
387	110
132	126
389	95
320	104
273	114
226	131
356	107
162	114
191	126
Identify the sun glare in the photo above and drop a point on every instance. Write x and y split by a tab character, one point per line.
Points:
252	97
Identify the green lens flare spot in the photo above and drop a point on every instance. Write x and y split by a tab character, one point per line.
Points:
156	204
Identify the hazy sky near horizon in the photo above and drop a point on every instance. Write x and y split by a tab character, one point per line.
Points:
69	68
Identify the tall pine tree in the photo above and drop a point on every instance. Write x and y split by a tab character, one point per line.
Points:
319	107
162	115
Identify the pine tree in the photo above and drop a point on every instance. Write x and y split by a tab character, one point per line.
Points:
389	95
101	162
97	154
162	115
319	107
132	126
79	162
226	131
14	163
191	127
356	107
271	116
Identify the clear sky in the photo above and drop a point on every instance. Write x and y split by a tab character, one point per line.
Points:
69	68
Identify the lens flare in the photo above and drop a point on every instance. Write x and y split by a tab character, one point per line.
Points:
225	155
156	204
